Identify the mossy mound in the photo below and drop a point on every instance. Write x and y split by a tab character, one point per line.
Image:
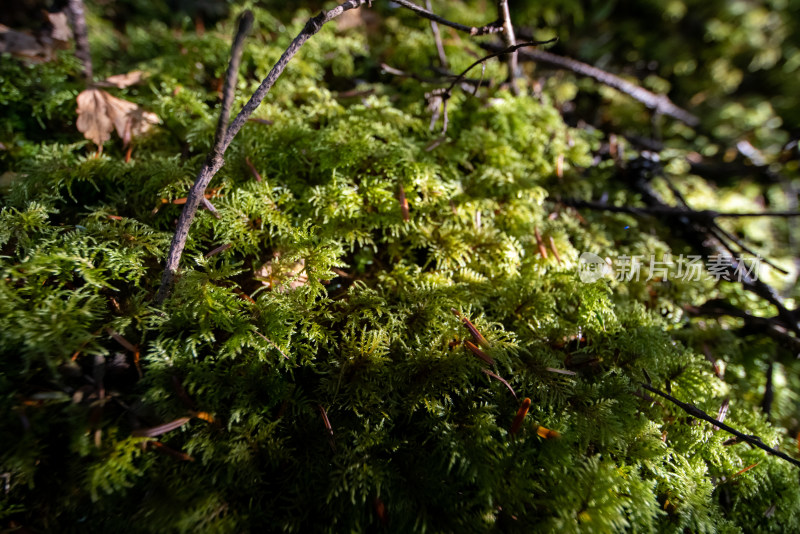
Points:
333	306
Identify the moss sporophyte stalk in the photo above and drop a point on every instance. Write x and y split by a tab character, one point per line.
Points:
491	308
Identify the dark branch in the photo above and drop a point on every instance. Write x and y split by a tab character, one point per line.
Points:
77	17
472	30
703	215
313	26
502	52
659	103
245	23
446	76
697	413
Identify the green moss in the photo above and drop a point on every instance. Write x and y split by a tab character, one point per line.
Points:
365	329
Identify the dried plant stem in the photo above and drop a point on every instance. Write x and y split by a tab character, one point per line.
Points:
659	103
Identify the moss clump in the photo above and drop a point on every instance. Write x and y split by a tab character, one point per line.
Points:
329	300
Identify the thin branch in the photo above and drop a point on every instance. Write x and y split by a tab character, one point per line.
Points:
77	17
504	20
699	235
437	37
702	215
232	75
697	413
502	52
472	30
659	103
439	97
218	250
210	207
215	159
446	76
725	237
313	26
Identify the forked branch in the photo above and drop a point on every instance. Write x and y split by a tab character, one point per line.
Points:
659	103
222	141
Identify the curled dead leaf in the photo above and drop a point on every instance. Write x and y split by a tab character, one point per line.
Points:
99	113
93	119
121	81
60	30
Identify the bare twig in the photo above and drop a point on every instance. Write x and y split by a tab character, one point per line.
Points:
437	37
697	413
446	77
504	20
698	234
442	95
77	17
215	159
704	215
313	26
727	238
218	250
210	207
502	52
472	30
245	23
659	103
697	231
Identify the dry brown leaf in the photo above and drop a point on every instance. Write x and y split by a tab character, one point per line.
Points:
93	119
281	277
99	113
121	81
61	30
